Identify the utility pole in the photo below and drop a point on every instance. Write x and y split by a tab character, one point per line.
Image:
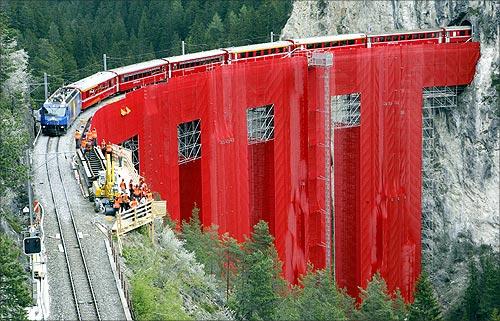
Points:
105	62
31	229
183	44
272	36
30	199
46	85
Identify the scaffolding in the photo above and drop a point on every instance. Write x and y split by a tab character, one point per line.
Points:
189	141
346	110
133	145
435	100
260	124
324	60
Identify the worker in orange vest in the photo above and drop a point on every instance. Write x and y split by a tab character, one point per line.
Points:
123	185
109	148
78	136
137	192
117	204
103	146
125	202
83	144
133	203
94	136
88	147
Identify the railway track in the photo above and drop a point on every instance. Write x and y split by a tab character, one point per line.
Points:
81	286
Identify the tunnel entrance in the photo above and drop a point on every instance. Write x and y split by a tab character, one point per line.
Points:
260	133
189	158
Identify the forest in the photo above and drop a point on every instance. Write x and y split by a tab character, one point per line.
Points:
196	273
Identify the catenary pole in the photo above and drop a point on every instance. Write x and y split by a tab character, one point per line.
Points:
105	61
46	85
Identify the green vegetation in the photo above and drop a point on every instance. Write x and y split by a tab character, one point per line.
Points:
376	303
14	295
425	306
480	300
317	289
258	282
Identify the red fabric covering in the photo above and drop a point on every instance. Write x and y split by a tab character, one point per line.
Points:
377	166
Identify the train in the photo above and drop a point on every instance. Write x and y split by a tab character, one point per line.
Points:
65	104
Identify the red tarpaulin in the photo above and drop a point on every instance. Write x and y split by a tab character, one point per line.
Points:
377	165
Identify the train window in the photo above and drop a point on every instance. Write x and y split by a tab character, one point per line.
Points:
462	33
403	37
381	39
421	36
351	42
362	40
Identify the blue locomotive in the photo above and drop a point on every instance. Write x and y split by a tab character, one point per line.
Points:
60	110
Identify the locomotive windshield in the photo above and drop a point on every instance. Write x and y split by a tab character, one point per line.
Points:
55	111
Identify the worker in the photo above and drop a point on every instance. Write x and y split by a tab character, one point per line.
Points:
94	136
83	144
133	203
103	146
78	136
131	187
149	196
125	202
117	204
123	185
109	148
137	192
88	147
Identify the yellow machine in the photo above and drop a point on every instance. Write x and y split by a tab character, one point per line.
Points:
104	186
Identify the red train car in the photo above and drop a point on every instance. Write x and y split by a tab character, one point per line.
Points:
267	50
457	33
141	74
331	42
194	62
405	38
96	87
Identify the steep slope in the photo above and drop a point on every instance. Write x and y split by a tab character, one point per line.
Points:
465	204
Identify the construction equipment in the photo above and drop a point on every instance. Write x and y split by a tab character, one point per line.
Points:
104	186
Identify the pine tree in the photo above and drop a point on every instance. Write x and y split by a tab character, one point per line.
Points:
399	306
232	254
376	304
14	295
203	242
425	306
472	293
321	299
215	32
490	283
258	281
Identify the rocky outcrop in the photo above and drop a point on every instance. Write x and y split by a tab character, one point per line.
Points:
466	204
